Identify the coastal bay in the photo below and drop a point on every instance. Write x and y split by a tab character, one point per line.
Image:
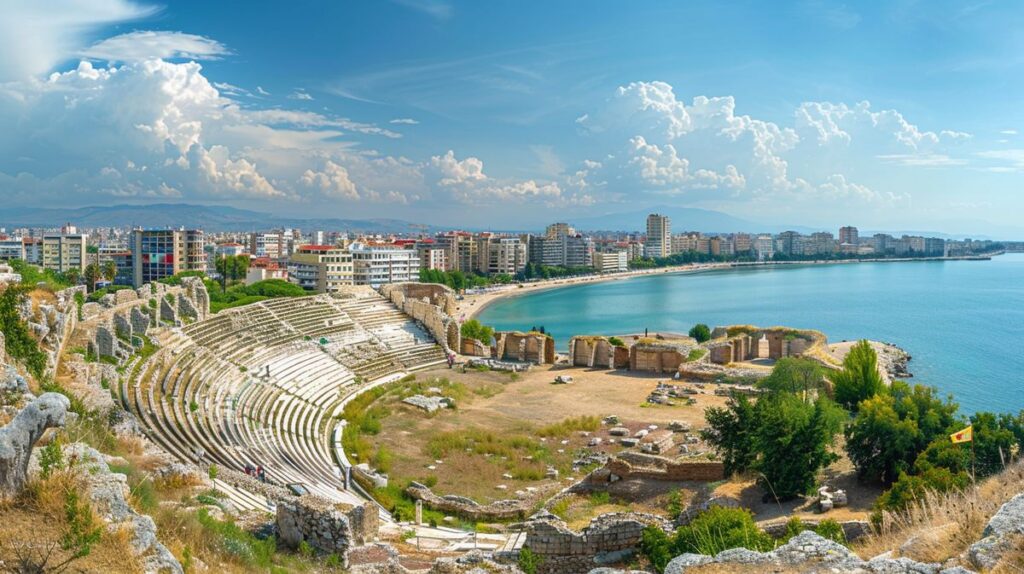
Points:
960	320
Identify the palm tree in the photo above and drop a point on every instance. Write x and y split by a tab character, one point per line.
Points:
92	275
110	271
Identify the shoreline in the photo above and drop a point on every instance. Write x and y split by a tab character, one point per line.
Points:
471	305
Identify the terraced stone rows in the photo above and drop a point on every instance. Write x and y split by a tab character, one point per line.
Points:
284	420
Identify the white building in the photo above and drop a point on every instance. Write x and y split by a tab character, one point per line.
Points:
375	265
611	262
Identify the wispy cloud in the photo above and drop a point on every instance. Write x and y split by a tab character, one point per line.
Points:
922	160
1009	132
149	44
261	91
300	95
405	121
436	9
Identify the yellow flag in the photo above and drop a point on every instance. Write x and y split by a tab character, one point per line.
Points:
966	435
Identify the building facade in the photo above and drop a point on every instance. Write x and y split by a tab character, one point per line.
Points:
64	251
160	253
375	265
659	236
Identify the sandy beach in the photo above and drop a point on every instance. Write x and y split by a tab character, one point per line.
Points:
471	304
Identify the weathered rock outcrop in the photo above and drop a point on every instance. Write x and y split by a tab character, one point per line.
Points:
806	552
18	437
1005	530
108	492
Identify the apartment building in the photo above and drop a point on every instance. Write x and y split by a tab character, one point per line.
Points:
377	264
161	253
64	251
501	255
610	261
320	268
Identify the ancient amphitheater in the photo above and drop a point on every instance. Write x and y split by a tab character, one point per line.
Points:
264	384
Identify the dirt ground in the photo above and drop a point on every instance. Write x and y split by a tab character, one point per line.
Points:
518	408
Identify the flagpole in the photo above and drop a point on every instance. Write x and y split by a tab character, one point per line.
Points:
974	475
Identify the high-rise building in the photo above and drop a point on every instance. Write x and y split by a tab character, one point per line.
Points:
659	236
375	265
162	253
462	250
501	255
64	251
563	250
849	235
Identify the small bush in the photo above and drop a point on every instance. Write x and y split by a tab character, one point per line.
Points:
528	561
616	342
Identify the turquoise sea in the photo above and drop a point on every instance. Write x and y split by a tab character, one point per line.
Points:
962	321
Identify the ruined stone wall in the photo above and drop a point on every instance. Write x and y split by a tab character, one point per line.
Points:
327	527
595	352
609	538
468	508
525	347
474	348
430	304
655	359
653	467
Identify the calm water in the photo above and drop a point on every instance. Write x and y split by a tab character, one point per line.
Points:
962	321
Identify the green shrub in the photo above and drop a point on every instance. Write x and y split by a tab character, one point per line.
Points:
51	458
82	531
473	329
529	561
616	342
701	332
711	532
233	541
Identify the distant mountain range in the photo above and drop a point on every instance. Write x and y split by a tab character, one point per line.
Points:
207	217
683	219
224	218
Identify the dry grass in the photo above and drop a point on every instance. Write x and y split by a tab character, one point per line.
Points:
32	526
942	526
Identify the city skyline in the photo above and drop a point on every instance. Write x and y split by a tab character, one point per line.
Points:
862	114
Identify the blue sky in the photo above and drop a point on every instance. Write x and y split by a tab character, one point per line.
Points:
897	114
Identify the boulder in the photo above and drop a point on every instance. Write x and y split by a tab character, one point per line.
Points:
22	433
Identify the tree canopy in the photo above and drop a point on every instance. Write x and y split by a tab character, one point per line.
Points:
783	438
859	378
701	332
795	375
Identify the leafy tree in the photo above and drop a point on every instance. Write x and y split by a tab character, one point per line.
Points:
701	332
92	276
859	378
892	429
793	442
731	431
795	375
781	437
110	271
473	329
